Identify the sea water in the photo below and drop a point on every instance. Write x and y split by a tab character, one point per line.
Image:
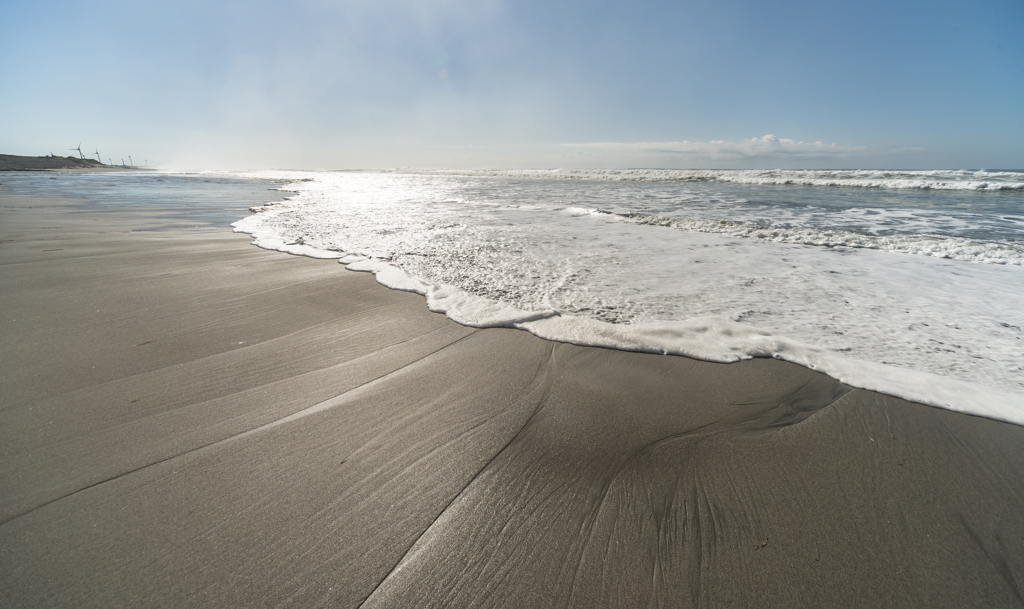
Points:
181	200
906	282
910	283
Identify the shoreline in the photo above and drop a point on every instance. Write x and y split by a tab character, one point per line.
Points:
191	420
714	339
78	169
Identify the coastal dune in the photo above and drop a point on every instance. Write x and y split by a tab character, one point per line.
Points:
12	162
187	420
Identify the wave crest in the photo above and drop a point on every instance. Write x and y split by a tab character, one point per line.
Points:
980	180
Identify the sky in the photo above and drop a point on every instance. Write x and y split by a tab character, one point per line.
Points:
315	84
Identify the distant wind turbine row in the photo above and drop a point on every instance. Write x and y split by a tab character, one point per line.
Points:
96	152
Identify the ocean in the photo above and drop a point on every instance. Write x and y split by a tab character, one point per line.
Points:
906	282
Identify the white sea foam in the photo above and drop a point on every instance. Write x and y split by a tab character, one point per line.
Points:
932	329
457	304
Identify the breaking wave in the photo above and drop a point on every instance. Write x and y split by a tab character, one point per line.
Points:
980	180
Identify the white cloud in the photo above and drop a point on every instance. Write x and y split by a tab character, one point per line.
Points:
767	146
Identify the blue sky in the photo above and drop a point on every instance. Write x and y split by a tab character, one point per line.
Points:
384	83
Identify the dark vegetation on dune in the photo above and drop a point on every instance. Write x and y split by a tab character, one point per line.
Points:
11	162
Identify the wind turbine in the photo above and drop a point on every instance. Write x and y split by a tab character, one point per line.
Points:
98	156
79	149
130	160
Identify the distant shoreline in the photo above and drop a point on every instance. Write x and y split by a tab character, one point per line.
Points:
11	162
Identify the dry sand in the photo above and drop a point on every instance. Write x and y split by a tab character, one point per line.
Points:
187	420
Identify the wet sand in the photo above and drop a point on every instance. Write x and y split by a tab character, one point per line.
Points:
187	420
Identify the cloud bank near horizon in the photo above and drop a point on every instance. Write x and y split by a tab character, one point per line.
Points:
757	152
765	147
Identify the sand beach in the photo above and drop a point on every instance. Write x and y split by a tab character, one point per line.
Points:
187	420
